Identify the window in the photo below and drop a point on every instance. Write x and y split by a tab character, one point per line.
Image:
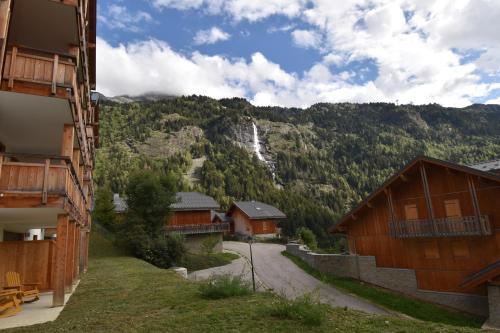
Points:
411	212
452	208
431	250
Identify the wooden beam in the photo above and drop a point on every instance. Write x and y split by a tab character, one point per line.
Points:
60	263
68	139
475	203
45	181
5	10
428	199
69	258
404	178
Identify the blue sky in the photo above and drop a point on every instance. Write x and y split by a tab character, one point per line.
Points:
300	52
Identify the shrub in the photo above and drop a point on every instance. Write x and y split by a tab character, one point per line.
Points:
104	209
224	286
308	238
208	245
306	309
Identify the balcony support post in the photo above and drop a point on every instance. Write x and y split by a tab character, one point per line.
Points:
4	28
428	199
390	206
475	204
45	188
60	264
1	162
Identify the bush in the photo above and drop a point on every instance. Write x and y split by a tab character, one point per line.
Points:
306	309
208	245
224	286
308	238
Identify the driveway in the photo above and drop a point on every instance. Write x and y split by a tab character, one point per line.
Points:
276	272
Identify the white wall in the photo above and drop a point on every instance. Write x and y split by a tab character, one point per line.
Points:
33	232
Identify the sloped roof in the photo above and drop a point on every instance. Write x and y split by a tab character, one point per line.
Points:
487	166
223	217
256	210
120	204
193	201
430	160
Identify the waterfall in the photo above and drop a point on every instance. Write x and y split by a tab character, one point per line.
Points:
256	143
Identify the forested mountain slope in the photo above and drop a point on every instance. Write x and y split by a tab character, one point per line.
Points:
325	158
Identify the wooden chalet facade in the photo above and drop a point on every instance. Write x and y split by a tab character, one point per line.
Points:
254	219
48	134
440	219
192	216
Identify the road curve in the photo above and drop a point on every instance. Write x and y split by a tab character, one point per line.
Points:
280	274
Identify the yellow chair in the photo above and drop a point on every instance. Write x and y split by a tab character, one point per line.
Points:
27	292
10	304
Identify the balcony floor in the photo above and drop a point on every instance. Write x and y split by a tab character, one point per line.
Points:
37	312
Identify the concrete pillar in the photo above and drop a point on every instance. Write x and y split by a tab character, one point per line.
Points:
60	264
494	306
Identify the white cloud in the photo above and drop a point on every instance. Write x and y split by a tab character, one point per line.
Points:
306	38
494	101
251	10
415	49
119	17
210	36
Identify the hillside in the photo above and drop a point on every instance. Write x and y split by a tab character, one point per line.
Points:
319	161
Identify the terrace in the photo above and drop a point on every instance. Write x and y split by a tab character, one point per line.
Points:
193	229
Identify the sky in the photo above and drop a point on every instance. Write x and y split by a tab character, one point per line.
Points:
297	53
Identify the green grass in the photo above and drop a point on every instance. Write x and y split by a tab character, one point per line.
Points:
196	262
124	294
306	309
390	300
224	286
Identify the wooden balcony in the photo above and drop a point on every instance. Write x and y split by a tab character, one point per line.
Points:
444	227
194	229
44	73
52	183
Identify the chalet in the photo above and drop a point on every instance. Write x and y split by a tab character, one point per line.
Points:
223	218
439	223
48	135
120	204
192	216
254	219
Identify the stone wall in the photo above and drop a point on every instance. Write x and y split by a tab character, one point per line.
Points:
194	243
494	304
402	280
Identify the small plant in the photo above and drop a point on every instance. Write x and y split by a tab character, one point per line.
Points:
305	308
308	238
209	244
224	286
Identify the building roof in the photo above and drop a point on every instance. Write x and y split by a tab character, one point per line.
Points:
490	166
223	217
193	201
486	274
347	217
256	210
120	204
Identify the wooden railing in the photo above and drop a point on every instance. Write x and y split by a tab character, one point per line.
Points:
443	227
192	229
45	176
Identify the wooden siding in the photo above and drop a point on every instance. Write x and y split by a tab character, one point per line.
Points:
34	260
441	263
244	225
190	218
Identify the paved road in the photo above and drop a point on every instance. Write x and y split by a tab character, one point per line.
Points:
276	272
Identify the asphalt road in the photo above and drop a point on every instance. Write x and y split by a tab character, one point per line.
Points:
278	273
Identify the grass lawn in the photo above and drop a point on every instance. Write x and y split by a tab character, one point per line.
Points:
196	262
393	301
124	294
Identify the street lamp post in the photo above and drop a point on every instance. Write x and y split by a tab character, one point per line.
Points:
251	264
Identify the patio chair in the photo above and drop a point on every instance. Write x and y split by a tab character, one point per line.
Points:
27	292
10	304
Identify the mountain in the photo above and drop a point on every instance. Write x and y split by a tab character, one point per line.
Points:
318	162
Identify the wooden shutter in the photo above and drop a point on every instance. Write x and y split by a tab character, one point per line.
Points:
452	208
411	212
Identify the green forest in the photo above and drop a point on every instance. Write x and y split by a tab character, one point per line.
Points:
325	158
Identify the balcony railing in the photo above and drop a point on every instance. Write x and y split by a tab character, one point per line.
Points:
443	227
55	176
57	75
193	229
